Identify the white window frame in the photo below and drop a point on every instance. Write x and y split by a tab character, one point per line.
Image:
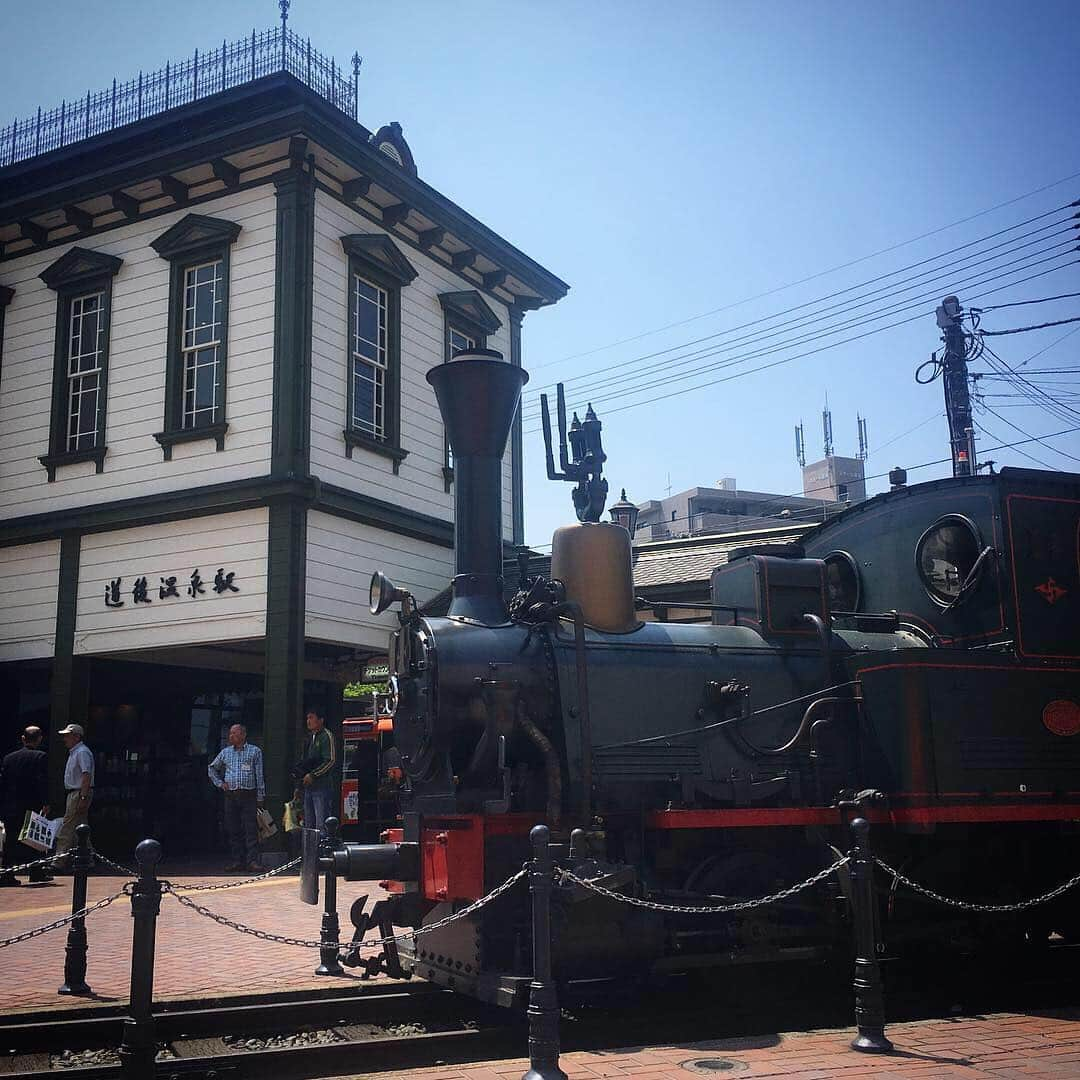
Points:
191	349
375	357
78	375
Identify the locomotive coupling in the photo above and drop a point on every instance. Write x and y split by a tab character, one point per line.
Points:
354	862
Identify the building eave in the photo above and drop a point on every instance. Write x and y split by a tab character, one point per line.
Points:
269	109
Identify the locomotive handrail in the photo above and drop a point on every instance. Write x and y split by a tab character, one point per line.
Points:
730	720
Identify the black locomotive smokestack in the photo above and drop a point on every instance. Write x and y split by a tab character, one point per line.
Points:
478	393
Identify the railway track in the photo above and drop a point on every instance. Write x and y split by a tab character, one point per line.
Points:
291	1037
385	1026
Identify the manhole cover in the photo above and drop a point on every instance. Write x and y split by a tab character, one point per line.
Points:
714	1066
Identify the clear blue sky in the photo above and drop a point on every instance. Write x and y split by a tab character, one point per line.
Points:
668	160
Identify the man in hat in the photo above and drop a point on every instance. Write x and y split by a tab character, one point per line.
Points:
23	786
78	786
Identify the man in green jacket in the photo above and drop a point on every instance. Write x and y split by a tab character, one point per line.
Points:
320	758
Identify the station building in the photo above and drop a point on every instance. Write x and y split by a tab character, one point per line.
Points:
219	297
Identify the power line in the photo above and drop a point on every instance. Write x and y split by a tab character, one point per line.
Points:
603	390
797	356
824	273
1024	303
1022	453
841	292
945	274
909	468
1025	329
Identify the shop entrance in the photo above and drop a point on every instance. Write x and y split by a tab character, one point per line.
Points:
153	730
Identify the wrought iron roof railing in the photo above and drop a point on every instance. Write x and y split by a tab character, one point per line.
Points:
199	76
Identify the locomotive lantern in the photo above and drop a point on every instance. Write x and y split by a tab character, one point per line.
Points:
915	659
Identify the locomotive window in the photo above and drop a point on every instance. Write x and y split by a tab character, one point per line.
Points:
842	581
945	555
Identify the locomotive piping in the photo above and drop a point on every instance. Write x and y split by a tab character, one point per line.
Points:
551	766
824	633
572	609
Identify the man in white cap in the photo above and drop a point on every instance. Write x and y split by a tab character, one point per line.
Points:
78	786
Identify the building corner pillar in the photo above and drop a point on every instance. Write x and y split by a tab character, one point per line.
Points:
517	464
283	678
69	682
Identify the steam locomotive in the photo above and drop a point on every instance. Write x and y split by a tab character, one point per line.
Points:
915	661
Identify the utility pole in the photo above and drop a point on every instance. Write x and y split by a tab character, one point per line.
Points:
955	376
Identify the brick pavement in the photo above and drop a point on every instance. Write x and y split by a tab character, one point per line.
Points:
195	957
1001	1046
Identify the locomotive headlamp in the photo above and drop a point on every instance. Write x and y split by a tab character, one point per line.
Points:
625	513
382	593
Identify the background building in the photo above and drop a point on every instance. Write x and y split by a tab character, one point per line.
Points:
835	479
724	509
219	297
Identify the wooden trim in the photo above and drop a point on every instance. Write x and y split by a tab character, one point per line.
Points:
517	463
361	264
223	499
168	439
75	274
6	294
68	678
294	272
252	115
340	502
283	680
194	239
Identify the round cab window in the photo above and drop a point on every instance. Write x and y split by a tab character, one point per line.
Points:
945	556
842	581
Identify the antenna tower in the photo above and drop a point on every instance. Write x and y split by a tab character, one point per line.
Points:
826	427
864	441
800	444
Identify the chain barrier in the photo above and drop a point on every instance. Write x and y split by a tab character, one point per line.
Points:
284	868
126	870
265	935
562	876
35	864
244	881
104	902
967	905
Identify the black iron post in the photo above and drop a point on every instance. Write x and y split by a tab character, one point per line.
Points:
330	933
543	1002
869	999
75	949
139	1046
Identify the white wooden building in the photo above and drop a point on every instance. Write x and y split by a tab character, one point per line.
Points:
219	297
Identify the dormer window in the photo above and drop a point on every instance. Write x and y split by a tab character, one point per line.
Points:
82	280
197	248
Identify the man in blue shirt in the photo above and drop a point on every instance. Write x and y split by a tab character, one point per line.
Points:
238	772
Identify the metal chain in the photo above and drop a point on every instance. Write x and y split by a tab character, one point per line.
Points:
967	905
244	881
33	865
476	905
242	928
265	935
104	902
114	865
562	876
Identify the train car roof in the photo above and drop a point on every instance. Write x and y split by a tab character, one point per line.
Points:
1008	476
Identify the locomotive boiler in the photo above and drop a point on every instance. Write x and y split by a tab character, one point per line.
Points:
915	660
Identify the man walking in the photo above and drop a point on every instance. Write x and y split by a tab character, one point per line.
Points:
238	772
78	787
320	757
23	786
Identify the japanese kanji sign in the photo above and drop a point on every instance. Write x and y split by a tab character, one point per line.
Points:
116	591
